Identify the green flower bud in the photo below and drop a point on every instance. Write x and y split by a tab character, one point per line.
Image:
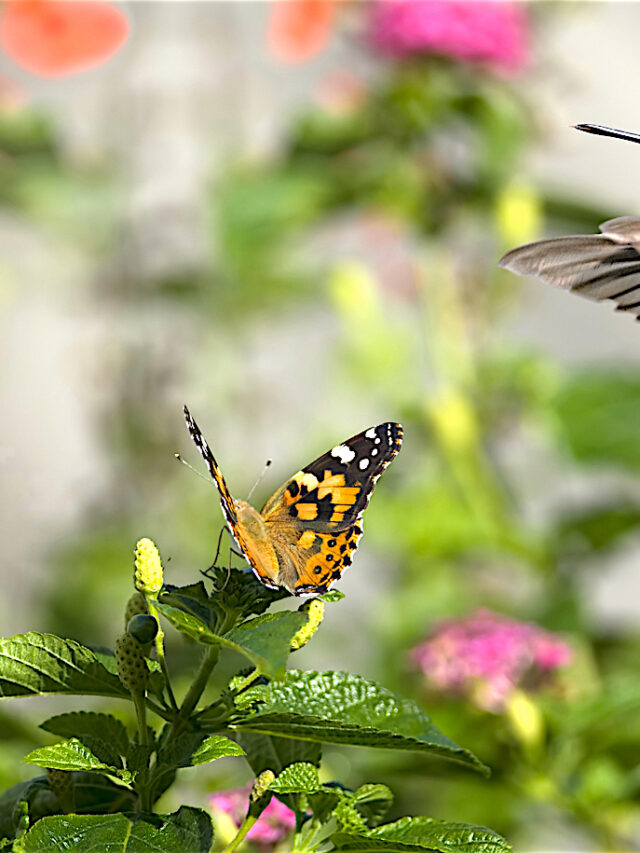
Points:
261	785
143	627
132	667
60	781
61	784
147	577
315	611
136	604
348	817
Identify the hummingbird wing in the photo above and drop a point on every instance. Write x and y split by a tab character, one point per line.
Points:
598	266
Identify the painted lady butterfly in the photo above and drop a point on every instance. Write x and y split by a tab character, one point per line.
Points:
305	535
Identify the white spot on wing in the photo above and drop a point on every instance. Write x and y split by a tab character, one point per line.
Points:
371	433
343	453
363	463
374	452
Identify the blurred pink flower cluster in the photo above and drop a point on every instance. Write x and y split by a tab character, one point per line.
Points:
273	825
486	656
494	32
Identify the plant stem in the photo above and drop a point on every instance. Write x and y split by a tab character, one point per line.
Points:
198	685
141	714
246	825
153	611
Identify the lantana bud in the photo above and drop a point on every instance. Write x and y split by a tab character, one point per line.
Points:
136	604
315	611
261	785
147	576
132	667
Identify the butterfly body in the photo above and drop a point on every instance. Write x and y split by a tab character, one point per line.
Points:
306	533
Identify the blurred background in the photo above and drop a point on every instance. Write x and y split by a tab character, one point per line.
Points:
289	216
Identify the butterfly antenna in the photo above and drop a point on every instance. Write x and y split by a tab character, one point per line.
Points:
259	480
191	468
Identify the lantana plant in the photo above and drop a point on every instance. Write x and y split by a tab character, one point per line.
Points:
103	782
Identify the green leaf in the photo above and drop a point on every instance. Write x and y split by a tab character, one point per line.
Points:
103	734
73	755
301	778
595	529
598	411
189	750
423	833
241	592
186	831
336	707
33	664
215	747
275	753
332	595
373	802
265	640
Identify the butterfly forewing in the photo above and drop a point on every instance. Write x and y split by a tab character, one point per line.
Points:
226	499
332	492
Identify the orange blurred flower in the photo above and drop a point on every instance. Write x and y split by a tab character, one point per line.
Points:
298	30
57	37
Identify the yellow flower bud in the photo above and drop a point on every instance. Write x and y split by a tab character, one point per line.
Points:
147	576
518	214
525	718
353	291
454	420
315	611
261	785
132	667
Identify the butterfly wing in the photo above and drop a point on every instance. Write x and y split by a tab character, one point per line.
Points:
315	518
598	266
226	500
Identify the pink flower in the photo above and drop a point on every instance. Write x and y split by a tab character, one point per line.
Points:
486	656
494	32
273	825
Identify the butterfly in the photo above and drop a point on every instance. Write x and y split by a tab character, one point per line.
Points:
305	535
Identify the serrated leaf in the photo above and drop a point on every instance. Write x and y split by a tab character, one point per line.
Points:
103	734
265	640
301	778
423	833
189	830
34	664
215	747
275	753
241	592
373	802
73	755
336	707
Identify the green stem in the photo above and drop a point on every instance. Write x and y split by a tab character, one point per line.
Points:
198	685
153	611
141	714
246	825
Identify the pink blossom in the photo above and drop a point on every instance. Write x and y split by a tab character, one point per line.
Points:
486	656
273	825
494	32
